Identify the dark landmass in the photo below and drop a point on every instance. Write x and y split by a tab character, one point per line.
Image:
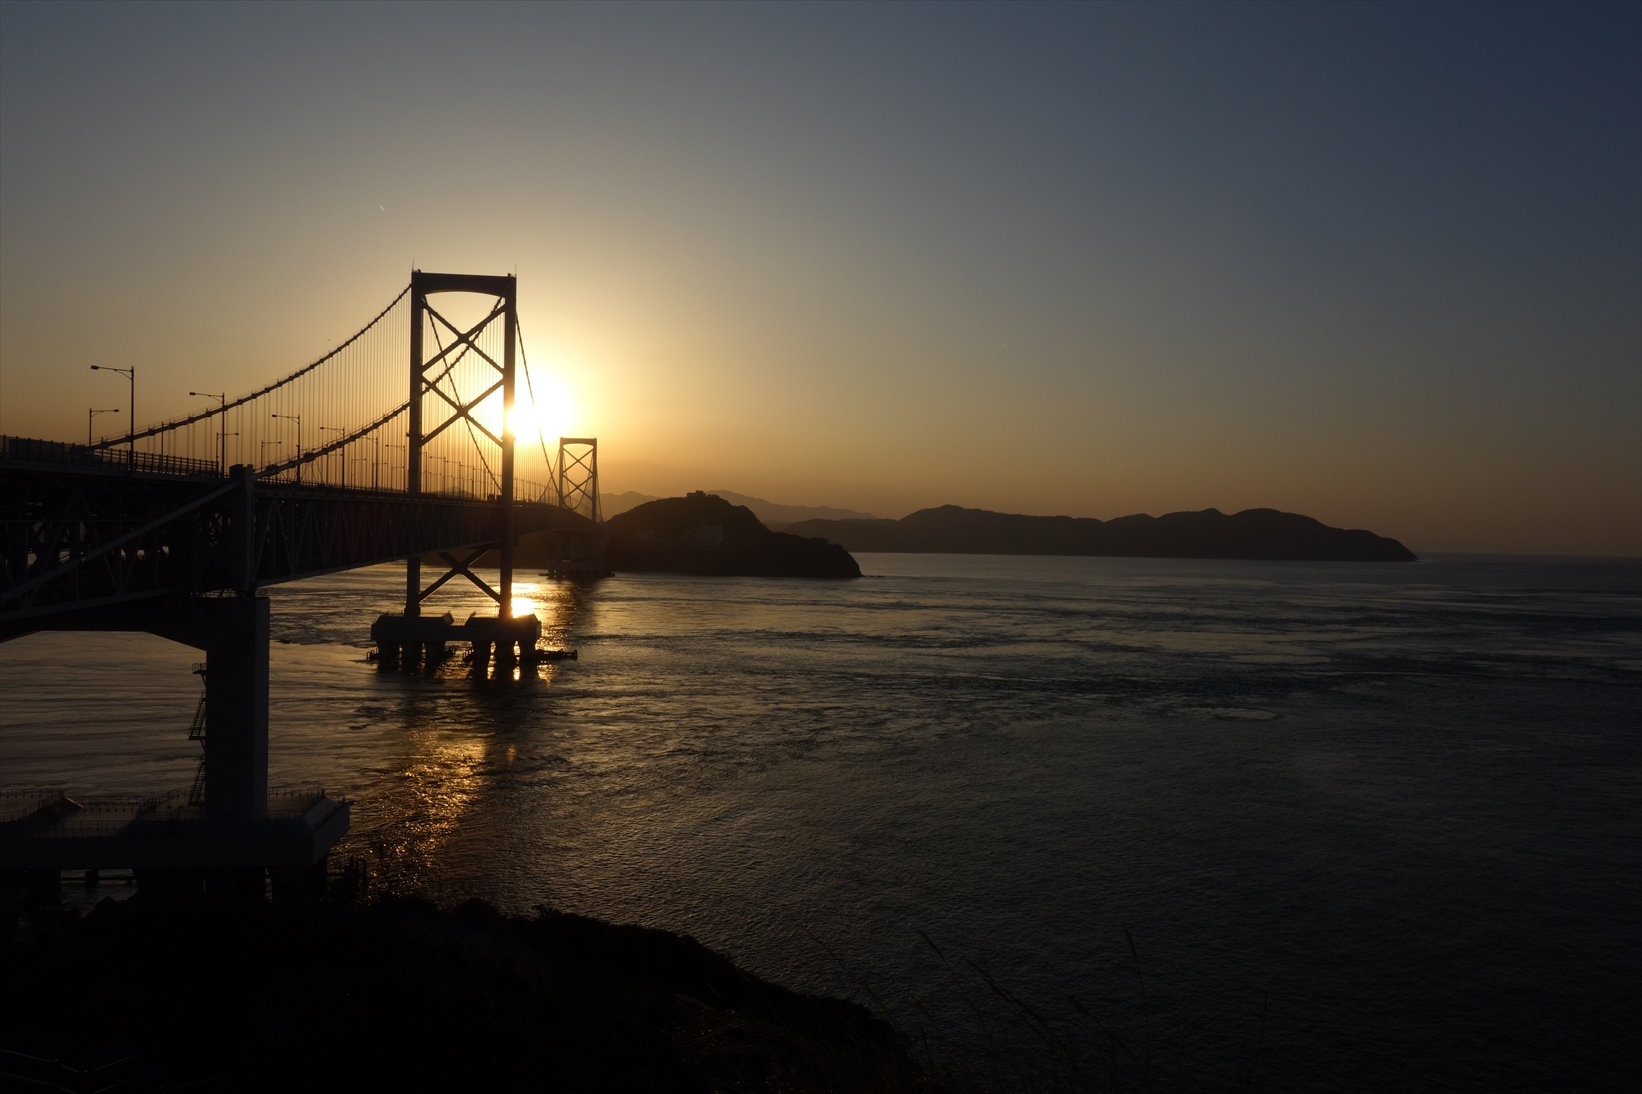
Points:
704	534
1251	534
398	995
775	515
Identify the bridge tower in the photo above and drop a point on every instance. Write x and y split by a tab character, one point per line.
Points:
577	481
425	374
434	410
578	555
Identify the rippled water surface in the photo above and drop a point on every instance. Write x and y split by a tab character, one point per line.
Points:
1399	803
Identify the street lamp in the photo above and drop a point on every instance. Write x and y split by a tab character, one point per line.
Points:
129	374
376	460
405	450
90	414
297	418
222	399
225	437
262	452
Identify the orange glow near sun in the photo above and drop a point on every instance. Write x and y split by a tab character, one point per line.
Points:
551	418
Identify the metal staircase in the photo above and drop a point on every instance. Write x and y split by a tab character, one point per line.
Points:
196	732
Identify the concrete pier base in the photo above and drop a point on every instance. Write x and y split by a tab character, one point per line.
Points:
223	843
411	639
505	640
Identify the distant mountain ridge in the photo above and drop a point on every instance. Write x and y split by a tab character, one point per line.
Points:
611	504
775	513
1250	534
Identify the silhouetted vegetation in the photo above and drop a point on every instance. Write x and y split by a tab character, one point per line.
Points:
1251	534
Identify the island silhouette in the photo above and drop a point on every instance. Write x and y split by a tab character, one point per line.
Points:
1209	533
702	533
774	514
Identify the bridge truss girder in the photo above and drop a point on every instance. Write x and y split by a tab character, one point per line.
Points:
73	541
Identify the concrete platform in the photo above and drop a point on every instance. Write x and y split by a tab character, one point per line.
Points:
426	636
52	830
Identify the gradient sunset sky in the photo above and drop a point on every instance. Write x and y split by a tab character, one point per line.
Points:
1377	264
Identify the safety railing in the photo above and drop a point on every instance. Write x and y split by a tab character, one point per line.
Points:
62	453
110	815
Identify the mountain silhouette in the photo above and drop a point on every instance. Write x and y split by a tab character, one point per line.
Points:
775	515
1251	534
704	534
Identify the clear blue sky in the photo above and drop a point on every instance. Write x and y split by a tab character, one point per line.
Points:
1380	264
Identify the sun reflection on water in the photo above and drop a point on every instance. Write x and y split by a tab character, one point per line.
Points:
427	795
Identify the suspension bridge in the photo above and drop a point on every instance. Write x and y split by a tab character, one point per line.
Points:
352	460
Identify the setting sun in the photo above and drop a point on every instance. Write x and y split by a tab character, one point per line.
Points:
552	416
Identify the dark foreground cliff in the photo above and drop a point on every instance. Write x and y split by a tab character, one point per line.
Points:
704	534
400	996
1251	534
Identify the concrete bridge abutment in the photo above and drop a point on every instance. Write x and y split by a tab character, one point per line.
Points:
240	836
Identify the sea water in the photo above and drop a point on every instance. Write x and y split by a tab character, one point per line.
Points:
1379	824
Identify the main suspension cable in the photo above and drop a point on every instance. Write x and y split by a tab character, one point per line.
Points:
232	404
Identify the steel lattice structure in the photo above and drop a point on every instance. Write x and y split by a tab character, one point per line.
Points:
79	539
161	531
154	513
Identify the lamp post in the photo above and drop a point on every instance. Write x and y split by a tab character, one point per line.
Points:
222	400
297	418
129	374
262	451
92	413
402	448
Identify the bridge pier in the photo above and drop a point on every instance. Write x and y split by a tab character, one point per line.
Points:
508	640
172	844
235	638
413	639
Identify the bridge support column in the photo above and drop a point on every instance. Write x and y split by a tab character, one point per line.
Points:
504	608
233	632
236	709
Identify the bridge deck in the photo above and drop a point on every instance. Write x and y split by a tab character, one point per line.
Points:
82	533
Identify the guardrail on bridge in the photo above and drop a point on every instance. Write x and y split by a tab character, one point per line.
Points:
34	450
